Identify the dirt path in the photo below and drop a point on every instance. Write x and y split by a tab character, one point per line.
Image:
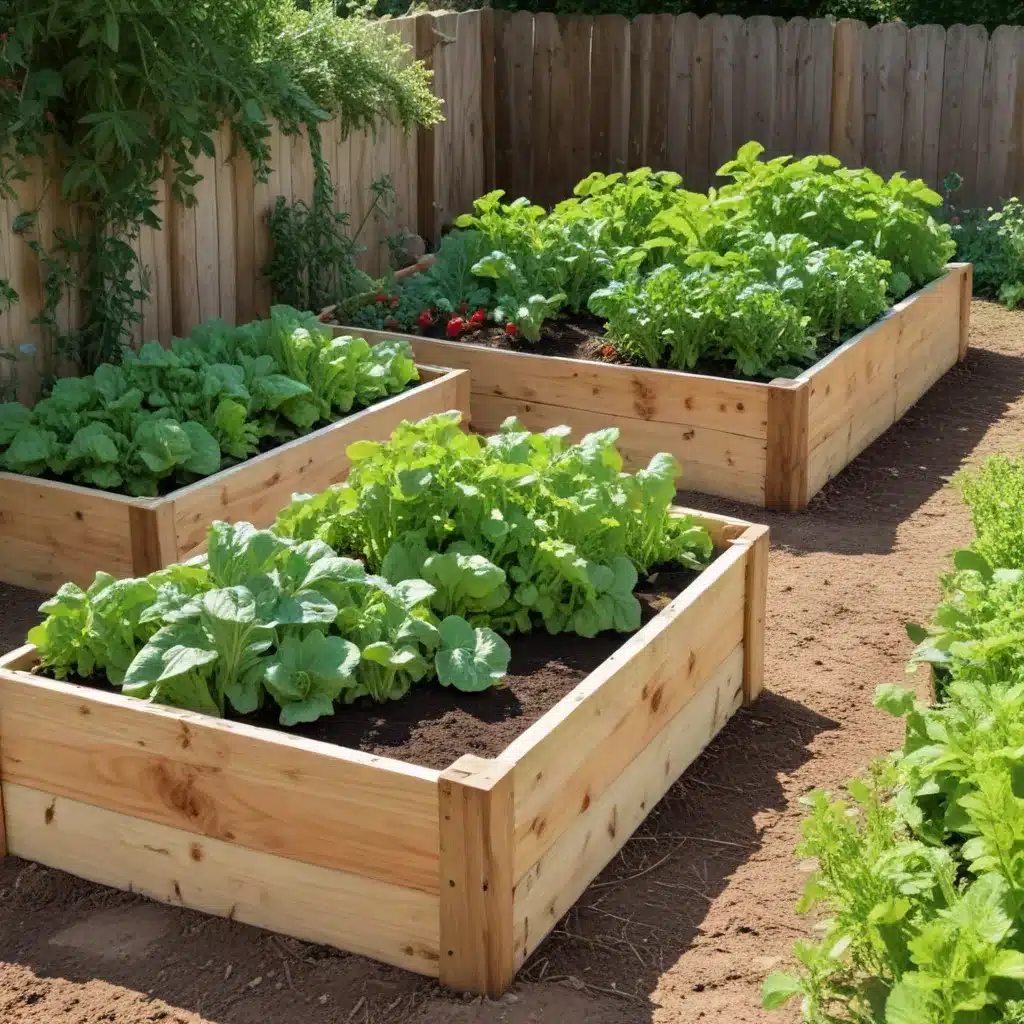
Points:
684	925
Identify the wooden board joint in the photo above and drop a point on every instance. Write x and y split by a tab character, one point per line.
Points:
477	846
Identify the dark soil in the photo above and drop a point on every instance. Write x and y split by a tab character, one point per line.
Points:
682	927
433	726
582	336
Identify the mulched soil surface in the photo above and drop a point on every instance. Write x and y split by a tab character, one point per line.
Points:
685	923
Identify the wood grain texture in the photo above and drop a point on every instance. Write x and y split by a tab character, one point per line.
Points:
785	481
557	880
154	543
52	532
348	910
256	788
846	136
755	539
476	842
966	290
256	490
566	761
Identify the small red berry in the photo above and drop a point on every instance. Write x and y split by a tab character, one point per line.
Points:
391	323
478	317
380	297
424	319
3	37
49	117
394	301
511	330
608	351
455	326
325	317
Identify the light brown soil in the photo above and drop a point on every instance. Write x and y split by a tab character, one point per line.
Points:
684	925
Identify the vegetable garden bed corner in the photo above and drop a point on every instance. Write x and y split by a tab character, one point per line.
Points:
770	444
53	532
457	874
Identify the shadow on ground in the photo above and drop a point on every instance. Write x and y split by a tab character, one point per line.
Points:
859	511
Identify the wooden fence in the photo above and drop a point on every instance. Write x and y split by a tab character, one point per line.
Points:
534	102
206	260
575	94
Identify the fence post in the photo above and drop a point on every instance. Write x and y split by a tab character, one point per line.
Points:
425	139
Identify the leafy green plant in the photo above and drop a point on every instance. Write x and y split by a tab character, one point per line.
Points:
174	415
261	616
513	531
994	492
923	878
118	93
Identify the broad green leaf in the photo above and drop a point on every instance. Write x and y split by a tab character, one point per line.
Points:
778	989
470	659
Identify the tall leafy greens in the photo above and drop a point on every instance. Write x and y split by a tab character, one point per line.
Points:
922	875
514	530
262	616
181	413
755	279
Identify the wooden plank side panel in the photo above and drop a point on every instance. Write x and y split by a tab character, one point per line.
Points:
660	396
363	915
713	461
259	789
567	760
929	342
51	533
557	880
257	490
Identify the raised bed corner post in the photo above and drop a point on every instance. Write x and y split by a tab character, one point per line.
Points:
154	540
477	844
785	483
966	291
756	540
3	827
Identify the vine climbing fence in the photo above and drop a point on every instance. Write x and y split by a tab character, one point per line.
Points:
533	102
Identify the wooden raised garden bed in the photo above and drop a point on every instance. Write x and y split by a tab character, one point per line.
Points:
458	874
771	444
52	532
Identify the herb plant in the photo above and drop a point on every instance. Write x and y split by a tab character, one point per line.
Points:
922	874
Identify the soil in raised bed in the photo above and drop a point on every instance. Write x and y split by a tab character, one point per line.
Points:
433	726
582	336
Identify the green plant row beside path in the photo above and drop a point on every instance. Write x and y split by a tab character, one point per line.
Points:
920	869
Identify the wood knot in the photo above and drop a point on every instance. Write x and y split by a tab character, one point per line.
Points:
195	851
586	802
656	698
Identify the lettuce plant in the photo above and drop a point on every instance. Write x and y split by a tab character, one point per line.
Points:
514	531
170	416
259	617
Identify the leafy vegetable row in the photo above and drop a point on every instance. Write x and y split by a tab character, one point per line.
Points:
457	537
513	530
754	275
211	399
921	871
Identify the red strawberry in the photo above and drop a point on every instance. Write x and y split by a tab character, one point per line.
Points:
455	327
478	317
511	329
424	319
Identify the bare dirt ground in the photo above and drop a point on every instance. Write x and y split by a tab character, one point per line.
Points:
684	925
